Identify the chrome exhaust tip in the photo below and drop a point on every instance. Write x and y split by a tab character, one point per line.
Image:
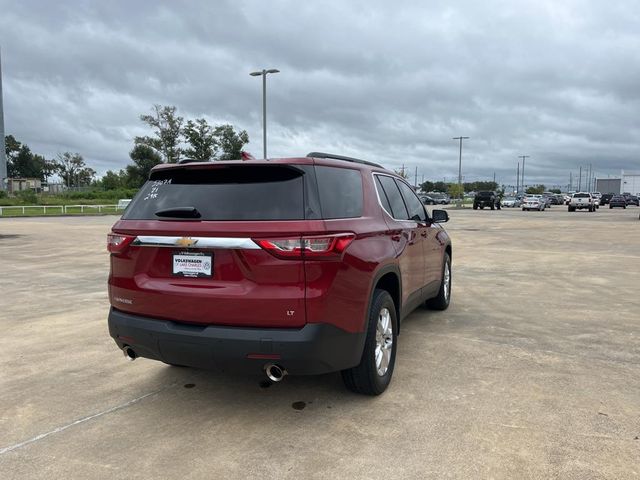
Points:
274	372
129	353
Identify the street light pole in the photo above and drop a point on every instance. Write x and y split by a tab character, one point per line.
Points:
460	191
523	157
263	73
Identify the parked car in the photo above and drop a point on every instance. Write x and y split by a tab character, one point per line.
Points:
582	201
440	198
533	202
427	199
486	199
294	266
632	200
604	200
511	202
553	199
618	201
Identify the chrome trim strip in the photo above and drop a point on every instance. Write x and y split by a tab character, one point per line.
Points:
198	242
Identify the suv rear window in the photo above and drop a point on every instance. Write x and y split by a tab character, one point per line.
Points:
581	195
233	192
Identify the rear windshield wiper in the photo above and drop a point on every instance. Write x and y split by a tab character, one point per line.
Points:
179	212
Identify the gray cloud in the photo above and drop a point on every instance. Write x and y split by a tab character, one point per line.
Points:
389	82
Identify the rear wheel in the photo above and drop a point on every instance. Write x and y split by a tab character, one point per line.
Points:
373	375
441	302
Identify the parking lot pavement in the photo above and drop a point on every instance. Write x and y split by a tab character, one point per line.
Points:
533	372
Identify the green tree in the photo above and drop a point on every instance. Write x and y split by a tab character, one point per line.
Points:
230	142
25	164
455	190
202	140
73	171
12	149
555	190
144	159
536	190
167	129
113	180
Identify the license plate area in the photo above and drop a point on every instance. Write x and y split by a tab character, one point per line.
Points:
192	264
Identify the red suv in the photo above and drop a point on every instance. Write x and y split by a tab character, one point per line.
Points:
298	265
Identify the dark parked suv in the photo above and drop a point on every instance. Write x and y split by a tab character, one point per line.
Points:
300	266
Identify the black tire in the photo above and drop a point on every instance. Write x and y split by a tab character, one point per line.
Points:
475	207
498	207
442	300
493	207
610	206
364	378
481	207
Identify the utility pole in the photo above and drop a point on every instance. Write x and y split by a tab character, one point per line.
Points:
3	157
518	180
570	182
523	157
416	178
460	166
580	180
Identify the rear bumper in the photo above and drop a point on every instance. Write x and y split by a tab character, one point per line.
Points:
312	349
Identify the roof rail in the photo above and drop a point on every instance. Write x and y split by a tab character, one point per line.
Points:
340	157
188	160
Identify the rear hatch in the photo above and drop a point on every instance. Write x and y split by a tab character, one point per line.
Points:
216	244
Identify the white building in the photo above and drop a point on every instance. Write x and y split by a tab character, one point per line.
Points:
630	182
627	182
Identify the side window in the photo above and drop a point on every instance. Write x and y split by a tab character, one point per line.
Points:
340	192
383	196
414	205
398	209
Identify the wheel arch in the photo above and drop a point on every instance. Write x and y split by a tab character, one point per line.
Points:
388	278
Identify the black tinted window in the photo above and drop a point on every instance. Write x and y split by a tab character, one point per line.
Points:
414	205
340	192
383	196
223	193
398	209
582	195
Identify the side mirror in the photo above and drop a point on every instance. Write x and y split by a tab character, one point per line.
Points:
439	216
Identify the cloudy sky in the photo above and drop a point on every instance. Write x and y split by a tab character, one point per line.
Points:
391	82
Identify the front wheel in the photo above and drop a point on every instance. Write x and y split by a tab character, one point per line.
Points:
373	375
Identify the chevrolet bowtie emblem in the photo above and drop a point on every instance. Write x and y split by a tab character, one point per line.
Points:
186	242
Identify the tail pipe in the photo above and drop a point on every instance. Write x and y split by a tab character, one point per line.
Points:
274	372
129	353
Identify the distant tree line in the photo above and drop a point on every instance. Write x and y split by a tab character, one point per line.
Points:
172	140
429	186
23	163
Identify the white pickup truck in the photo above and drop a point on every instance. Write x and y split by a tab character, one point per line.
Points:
582	201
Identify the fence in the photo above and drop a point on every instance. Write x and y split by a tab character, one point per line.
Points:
35	210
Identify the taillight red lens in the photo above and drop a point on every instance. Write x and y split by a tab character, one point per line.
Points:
117	243
328	247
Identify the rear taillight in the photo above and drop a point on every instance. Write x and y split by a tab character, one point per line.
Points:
117	243
325	247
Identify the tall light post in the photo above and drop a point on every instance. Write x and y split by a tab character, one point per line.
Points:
263	74
523	157
460	190
3	158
